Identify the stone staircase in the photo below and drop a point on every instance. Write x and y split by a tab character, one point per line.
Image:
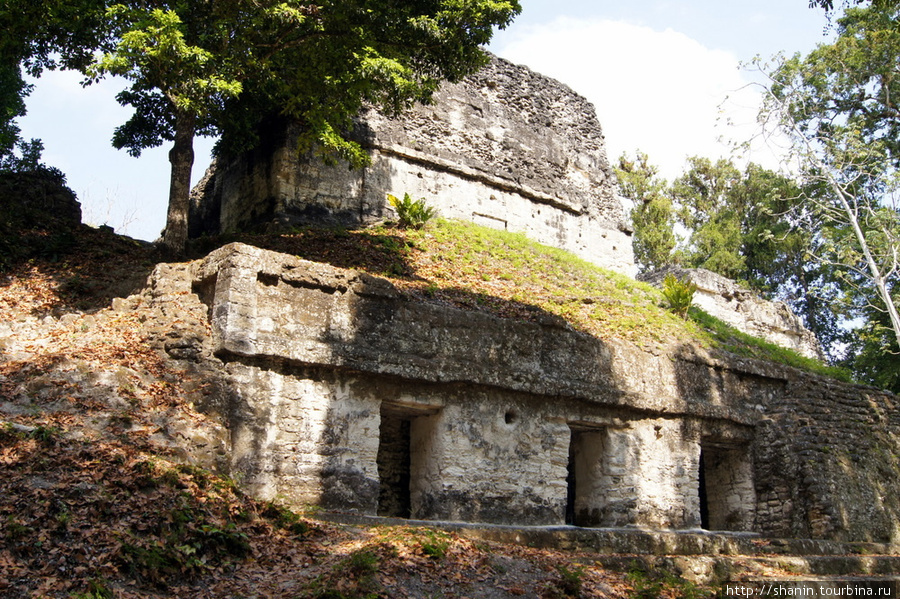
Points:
699	556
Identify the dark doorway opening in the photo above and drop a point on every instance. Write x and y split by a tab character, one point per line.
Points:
586	485
726	490
405	444
704	501
394	465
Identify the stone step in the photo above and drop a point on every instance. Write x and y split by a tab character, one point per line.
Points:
719	569
698	556
637	541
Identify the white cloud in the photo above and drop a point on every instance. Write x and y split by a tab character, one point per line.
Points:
660	92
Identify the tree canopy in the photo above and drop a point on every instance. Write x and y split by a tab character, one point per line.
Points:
729	220
208	68
652	216
827	238
747	224
828	5
38	36
837	107
12	105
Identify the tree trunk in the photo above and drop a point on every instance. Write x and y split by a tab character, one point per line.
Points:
874	271
181	157
851	214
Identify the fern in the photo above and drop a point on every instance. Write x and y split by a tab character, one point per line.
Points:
679	293
411	214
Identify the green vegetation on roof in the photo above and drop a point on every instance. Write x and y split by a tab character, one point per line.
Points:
473	267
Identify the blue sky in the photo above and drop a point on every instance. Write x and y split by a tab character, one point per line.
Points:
657	71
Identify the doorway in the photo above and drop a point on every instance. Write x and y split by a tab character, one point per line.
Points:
586	484
726	491
400	460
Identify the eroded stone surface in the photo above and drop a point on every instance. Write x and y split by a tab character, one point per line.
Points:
506	148
745	310
519	423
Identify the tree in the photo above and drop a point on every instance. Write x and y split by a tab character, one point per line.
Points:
652	216
751	225
828	5
730	219
38	35
780	236
704	196
837	107
205	68
12	105
866	355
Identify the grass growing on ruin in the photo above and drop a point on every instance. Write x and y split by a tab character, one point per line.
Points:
477	267
725	337
506	274
467	264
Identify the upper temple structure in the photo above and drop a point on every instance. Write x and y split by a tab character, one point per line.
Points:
506	147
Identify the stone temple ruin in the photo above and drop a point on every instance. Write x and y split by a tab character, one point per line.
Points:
344	394
506	148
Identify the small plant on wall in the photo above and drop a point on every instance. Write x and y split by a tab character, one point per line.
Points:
411	214
679	293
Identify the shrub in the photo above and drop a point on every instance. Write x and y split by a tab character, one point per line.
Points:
354	577
286	519
411	214
679	293
660	582
97	589
47	435
435	544
362	562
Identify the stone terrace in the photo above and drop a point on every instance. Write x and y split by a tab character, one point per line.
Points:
345	395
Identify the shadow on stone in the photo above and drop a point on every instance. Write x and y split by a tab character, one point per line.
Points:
324	359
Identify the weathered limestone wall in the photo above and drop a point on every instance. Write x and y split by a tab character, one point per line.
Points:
664	473
482	464
744	310
828	457
506	148
523	423
304	438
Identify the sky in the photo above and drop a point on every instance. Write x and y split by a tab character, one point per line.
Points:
665	77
